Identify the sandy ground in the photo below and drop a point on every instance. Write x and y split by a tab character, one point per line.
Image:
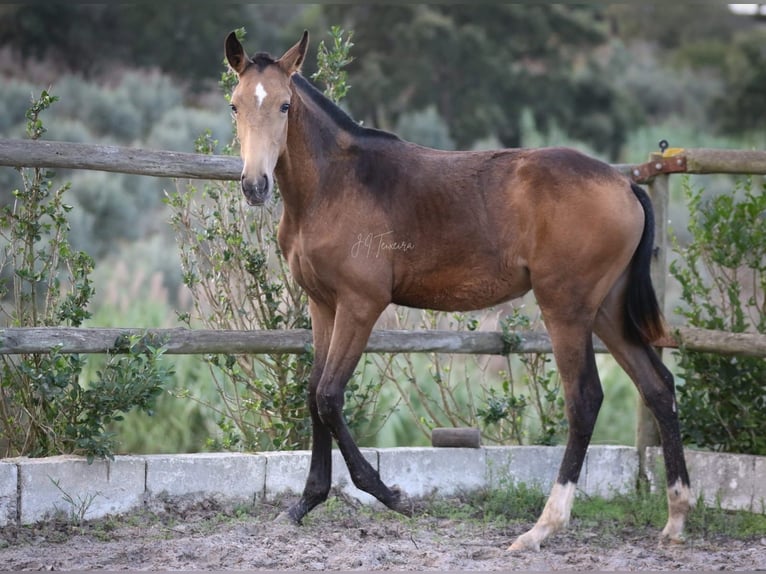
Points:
338	536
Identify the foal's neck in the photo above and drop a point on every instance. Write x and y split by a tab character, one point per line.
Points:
315	133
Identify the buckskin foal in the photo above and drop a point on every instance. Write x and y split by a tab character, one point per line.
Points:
371	220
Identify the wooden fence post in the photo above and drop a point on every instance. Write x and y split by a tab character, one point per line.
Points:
646	427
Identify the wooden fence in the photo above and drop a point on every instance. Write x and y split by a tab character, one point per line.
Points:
655	173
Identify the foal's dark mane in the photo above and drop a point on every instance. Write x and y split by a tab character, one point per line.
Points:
335	112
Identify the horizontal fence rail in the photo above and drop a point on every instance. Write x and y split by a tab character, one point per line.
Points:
67	155
117	159
182	341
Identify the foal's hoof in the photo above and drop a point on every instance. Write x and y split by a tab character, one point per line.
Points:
672	540
285	518
293	515
522	545
401	503
527	542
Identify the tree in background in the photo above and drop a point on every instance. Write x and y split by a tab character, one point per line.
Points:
741	107
711	42
181	39
482	66
479	70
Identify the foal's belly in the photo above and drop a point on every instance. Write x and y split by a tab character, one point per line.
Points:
462	289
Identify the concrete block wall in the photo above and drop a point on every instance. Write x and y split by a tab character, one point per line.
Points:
32	490
423	471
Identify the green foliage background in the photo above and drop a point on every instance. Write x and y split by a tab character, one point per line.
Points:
722	273
610	79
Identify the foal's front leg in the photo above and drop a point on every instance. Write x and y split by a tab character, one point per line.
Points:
350	334
320	472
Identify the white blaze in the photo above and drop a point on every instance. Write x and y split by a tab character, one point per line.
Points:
260	93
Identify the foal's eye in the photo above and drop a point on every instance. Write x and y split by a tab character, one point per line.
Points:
233	109
284	108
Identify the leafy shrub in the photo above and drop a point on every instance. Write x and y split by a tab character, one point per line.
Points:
107	112
508	410
153	94
722	403
44	408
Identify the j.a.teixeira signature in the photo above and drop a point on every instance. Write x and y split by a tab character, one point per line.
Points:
374	244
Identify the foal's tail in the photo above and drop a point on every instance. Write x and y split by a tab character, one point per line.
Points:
643	317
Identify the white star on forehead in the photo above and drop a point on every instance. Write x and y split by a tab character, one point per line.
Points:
260	93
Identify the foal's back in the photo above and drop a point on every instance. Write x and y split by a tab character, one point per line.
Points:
467	230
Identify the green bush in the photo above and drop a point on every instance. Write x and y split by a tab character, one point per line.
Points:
722	272
139	109
45	409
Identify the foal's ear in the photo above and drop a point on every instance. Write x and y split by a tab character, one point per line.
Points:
291	61
235	54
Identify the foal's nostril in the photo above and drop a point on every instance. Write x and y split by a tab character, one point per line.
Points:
255	190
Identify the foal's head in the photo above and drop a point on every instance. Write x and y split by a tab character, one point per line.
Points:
261	105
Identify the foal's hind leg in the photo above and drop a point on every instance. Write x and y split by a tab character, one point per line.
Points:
573	351
655	383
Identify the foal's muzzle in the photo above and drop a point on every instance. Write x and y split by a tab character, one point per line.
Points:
256	191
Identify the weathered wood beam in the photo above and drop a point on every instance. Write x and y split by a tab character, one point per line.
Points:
200	341
66	155
706	160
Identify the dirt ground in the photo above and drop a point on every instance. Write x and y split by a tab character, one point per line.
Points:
339	536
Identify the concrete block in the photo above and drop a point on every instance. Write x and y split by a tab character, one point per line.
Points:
728	478
421	471
759	487
609	470
286	473
226	477
70	485
8	493
531	465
